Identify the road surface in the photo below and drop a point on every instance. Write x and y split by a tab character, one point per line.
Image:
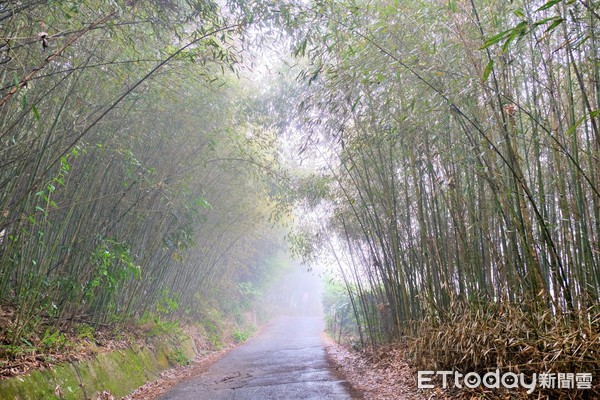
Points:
285	361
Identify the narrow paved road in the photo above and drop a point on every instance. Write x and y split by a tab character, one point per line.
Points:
285	361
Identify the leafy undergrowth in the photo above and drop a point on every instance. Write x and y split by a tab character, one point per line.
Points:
47	345
44	346
507	338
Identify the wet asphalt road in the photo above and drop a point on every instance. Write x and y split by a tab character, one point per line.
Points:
285	361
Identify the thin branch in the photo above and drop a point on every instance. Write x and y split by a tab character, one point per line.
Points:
50	58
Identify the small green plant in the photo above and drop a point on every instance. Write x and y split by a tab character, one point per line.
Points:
240	336
215	341
12	351
167	304
165	327
213	333
180	358
85	331
155	325
53	339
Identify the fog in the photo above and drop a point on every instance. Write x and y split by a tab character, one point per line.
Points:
298	291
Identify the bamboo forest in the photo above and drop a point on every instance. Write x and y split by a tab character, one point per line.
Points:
404	194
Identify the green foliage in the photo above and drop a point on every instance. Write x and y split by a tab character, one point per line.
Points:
339	315
113	267
53	339
249	294
180	358
114	161
240	336
167	304
458	145
214	334
85	331
153	325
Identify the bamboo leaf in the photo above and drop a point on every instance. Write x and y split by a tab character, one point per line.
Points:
592	114
35	111
519	13
546	20
488	69
495	39
548	5
554	25
202	202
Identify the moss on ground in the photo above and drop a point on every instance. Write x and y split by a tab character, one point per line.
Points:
118	372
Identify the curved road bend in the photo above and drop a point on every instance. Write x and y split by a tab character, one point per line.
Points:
285	361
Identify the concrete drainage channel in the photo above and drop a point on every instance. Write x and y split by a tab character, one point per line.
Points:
118	372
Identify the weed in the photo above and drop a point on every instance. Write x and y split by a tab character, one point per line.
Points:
215	341
85	331
154	325
240	336
179	357
53	339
